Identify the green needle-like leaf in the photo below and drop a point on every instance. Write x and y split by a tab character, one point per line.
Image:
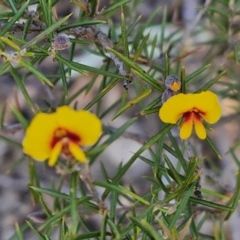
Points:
46	32
147	78
132	102
147	228
14	19
121	190
21	86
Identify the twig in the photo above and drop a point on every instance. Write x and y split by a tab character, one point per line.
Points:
86	177
92	33
11	128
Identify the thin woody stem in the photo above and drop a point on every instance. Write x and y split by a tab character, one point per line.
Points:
92	33
190	155
86	177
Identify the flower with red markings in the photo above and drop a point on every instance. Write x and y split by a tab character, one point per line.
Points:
62	132
192	109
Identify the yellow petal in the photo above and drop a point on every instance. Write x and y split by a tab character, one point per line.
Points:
173	109
207	102
199	128
55	153
186	127
77	152
82	123
37	140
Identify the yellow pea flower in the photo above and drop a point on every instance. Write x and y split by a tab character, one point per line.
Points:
192	109
62	132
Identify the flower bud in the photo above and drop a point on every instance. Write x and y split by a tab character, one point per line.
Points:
166	95
61	42
173	83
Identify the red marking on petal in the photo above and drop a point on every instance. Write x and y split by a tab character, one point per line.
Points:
197	117
192	117
188	117
65	150
63	134
193	114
